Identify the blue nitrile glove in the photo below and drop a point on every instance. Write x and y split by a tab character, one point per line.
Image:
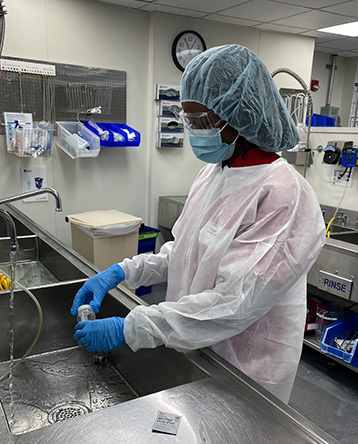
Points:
95	289
100	334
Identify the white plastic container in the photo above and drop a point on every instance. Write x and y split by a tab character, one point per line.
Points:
31	142
76	140
85	313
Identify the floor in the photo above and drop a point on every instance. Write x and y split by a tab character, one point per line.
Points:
324	391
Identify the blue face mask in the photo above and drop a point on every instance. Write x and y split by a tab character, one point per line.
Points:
208	146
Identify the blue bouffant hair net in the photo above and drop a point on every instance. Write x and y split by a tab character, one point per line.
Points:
233	82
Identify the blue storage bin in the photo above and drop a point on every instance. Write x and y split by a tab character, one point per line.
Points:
345	329
147	238
108	142
320	120
113	128
136	139
116	128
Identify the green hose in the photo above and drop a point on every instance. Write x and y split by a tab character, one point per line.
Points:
39	309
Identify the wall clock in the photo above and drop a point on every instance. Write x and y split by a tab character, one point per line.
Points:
186	46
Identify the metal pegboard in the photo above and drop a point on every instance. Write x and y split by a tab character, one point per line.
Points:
74	89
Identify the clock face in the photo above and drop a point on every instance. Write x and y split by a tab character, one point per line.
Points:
186	46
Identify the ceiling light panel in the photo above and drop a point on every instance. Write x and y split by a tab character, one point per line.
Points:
349	29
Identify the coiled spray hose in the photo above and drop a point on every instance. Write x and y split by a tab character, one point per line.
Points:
301	82
39	309
309	104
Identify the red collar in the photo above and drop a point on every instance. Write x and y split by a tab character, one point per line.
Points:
254	157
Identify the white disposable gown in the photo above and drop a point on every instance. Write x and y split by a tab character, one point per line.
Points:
236	272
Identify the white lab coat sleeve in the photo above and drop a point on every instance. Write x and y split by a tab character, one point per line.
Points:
147	268
259	267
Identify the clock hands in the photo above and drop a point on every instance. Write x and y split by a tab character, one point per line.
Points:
185	47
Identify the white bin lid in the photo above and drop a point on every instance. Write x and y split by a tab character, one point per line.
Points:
105	223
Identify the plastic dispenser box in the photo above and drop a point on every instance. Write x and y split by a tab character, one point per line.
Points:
104	237
77	141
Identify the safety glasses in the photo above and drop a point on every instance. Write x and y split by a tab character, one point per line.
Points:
197	121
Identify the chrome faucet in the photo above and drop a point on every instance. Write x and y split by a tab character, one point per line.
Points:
11	229
27	194
343	218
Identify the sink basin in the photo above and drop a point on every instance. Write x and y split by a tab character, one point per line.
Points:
345	235
21	229
37	262
60	380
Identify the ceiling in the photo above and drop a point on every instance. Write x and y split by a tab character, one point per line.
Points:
302	17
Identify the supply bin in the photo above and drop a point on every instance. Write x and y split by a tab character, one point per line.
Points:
114	134
341	340
104	237
77	141
147	238
320	120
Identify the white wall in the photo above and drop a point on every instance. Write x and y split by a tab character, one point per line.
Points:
343	85
91	34
351	71
104	35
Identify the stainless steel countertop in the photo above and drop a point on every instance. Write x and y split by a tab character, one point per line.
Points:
180	200
228	419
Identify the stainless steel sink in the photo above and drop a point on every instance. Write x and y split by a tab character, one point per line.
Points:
38	263
344	234
61	380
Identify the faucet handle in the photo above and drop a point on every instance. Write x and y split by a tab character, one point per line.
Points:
343	217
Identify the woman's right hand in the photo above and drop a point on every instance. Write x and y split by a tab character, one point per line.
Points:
95	289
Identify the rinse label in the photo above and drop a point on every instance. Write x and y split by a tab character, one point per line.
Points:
334	284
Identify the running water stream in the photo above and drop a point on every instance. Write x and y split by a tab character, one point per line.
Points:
12	303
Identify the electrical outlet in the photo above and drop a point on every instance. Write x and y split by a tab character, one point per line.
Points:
341	182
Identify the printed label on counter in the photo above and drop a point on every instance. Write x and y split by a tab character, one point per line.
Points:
166	423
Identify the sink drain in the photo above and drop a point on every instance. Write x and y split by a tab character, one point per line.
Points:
67	410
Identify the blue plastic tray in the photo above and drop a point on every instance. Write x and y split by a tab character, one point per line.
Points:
117	128
344	329
136	140
113	128
320	120
108	142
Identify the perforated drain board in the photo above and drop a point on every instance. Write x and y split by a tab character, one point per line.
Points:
59	386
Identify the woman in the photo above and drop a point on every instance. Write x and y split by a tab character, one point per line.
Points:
250	230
